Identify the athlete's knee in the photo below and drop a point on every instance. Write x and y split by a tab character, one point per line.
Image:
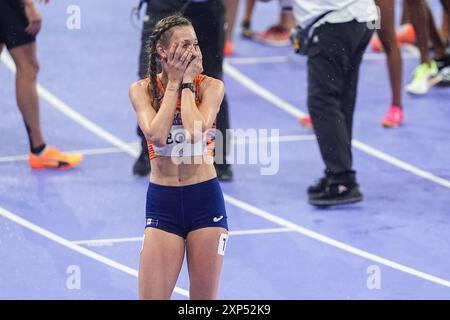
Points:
29	68
33	66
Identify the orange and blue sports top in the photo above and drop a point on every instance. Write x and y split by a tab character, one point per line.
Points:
176	144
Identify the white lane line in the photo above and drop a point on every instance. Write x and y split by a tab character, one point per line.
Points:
58	104
136	145
287	224
400	164
14	158
261	91
75	247
332	242
94	151
111	241
294	111
271	139
107	242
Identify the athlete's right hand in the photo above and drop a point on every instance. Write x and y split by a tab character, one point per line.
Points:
33	16
176	62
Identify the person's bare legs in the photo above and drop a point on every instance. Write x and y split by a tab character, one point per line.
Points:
419	19
247	32
388	38
405	13
445	28
249	6
435	36
160	264
445	23
204	262
231	8
25	59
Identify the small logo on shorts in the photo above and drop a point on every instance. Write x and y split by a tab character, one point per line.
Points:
151	222
217	219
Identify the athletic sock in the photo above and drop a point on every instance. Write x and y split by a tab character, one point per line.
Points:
37	151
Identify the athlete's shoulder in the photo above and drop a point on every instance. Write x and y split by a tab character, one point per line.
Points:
138	88
138	91
211	83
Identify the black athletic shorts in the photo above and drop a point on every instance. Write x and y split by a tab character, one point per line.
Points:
13	23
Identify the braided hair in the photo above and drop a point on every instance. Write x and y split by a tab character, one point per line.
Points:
160	34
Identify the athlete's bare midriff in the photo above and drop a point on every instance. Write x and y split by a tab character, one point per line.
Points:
165	171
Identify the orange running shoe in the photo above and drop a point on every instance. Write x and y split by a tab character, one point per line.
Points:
228	48
406	34
305	121
276	36
375	44
51	157
393	118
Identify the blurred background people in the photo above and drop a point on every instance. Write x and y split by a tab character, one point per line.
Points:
20	22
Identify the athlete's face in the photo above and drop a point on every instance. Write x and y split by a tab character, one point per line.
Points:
186	38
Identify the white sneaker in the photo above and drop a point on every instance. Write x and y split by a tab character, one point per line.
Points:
424	78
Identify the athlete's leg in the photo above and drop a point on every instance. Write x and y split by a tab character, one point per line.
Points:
205	248
388	39
160	264
231	10
446	15
445	28
27	65
249	7
419	19
247	19
405	13
435	37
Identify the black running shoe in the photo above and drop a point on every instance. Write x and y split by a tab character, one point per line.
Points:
142	165
224	172
444	75
443	62
318	187
337	194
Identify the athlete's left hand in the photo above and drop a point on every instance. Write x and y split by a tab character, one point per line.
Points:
194	68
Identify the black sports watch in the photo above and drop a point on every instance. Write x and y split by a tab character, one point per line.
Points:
189	85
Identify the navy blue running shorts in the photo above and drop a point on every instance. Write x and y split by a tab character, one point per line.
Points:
13	23
183	209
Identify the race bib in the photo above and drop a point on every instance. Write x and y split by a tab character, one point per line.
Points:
178	146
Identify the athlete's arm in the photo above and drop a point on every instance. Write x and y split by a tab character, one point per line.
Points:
156	125
212	95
